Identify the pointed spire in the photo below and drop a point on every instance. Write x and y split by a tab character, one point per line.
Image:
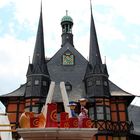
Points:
39	53
94	54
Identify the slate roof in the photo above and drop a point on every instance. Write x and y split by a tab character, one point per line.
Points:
16	93
94	53
38	65
114	90
72	95
134	116
72	73
39	52
117	91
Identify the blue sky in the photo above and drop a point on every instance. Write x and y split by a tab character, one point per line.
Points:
117	25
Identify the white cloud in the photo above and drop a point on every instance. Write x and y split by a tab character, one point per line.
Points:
14	60
5	2
82	46
133	46
124	71
26	10
135	43
109	33
127	9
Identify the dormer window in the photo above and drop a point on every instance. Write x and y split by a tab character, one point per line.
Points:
89	83
98	82
68	86
44	83
36	82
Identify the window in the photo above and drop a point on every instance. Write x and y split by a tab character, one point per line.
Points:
113	107
103	109
91	113
35	109
119	138
123	138
114	116
36	82
44	83
68	58
27	109
121	106
100	109
100	113
122	113
89	83
107	113
12	107
122	116
98	82
68	86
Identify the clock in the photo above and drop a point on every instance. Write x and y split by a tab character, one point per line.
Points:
68	59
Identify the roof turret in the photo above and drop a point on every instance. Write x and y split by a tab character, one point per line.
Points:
67	23
66	18
38	65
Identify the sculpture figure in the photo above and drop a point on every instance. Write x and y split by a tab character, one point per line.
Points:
84	112
72	106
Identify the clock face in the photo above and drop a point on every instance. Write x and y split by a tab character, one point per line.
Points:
68	59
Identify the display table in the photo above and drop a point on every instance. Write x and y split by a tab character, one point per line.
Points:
57	133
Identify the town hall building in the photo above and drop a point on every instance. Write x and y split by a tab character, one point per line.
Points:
107	103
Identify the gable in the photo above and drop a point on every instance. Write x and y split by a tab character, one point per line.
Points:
67	73
72	73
